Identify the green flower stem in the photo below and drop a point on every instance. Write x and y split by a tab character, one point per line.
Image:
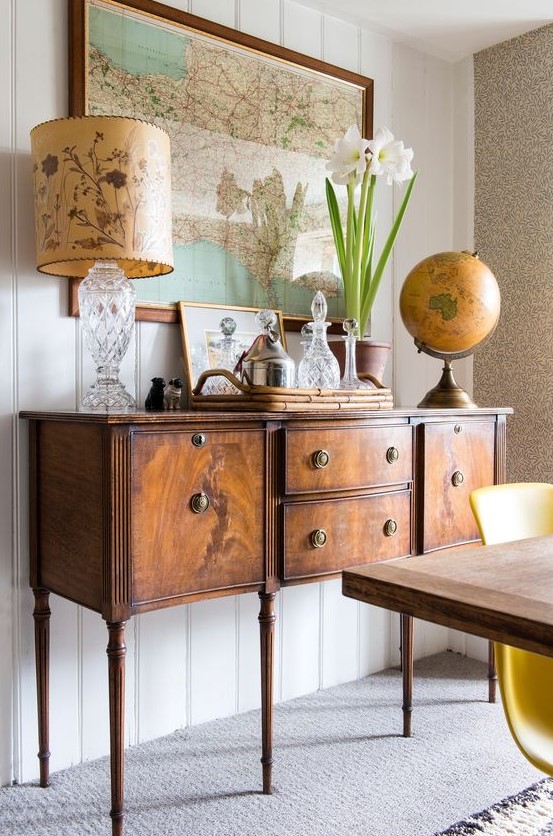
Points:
355	249
368	234
387	249
358	246
350	234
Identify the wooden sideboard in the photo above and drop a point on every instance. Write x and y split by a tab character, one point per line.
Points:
135	512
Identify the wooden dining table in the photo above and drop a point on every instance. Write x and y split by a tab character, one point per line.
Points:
502	592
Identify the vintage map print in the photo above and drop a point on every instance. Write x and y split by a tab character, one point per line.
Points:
250	138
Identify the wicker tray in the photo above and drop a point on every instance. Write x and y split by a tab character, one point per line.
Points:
242	396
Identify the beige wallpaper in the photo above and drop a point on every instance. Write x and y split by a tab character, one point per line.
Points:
514	236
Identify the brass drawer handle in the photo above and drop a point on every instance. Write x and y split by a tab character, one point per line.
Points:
390	528
457	479
199	439
321	458
318	538
392	454
199	502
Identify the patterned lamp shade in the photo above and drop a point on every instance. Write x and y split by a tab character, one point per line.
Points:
102	191
103	211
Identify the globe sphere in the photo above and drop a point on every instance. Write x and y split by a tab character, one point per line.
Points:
450	303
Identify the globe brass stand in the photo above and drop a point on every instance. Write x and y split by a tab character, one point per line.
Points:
447	394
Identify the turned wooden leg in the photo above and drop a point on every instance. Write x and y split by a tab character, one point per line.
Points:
492	673
267	620
116	651
407	670
41	615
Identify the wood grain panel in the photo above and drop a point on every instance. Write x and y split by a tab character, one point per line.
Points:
354	529
177	551
463	447
502	592
357	458
70	506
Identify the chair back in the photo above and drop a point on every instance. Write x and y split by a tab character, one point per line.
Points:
514	512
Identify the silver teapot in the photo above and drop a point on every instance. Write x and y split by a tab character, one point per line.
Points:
266	363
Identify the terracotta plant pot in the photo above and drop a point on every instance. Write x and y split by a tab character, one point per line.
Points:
370	357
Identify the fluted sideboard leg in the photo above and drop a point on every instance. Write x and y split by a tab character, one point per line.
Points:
41	615
267	620
116	651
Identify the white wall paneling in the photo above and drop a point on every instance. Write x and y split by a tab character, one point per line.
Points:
339	638
300	630
9	554
213	649
201	661
302	29
264	20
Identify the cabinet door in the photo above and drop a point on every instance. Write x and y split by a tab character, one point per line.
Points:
198	512
457	456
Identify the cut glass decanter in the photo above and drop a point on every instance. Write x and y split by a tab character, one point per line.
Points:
318	368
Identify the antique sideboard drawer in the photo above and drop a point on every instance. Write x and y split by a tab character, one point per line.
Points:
458	457
344	458
198	512
330	535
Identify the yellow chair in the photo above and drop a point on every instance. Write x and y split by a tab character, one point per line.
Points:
514	512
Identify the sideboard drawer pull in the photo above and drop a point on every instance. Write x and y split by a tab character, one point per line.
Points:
199	502
321	458
457	479
390	528
392	454
199	439
318	538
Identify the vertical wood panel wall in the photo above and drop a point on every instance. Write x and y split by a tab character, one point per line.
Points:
194	663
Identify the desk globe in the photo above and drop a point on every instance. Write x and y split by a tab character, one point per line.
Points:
450	304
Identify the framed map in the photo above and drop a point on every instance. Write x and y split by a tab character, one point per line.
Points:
252	126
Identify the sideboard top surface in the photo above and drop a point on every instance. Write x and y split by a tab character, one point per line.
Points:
183	416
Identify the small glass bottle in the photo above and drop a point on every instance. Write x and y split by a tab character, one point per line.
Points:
350	379
318	368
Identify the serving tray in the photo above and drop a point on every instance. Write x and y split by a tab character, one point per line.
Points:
220	389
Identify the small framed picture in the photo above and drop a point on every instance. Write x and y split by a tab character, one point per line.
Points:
216	337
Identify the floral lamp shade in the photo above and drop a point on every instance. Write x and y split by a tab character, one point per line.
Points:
102	191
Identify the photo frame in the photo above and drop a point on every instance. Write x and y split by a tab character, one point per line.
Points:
250	222
216	336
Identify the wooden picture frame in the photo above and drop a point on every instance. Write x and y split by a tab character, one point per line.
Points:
254	227
205	339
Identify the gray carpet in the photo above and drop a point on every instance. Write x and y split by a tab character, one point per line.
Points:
341	767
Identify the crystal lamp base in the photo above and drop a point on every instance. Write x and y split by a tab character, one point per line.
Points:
106	304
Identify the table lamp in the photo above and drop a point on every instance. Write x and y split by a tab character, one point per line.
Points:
102	188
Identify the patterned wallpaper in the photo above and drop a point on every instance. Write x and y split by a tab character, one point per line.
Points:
514	236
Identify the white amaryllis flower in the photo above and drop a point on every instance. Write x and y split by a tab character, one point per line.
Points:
349	160
356	160
389	157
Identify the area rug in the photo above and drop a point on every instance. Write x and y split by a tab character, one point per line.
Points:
529	813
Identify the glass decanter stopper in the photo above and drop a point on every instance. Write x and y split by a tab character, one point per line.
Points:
306	335
228	344
266	321
350	379
318	368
